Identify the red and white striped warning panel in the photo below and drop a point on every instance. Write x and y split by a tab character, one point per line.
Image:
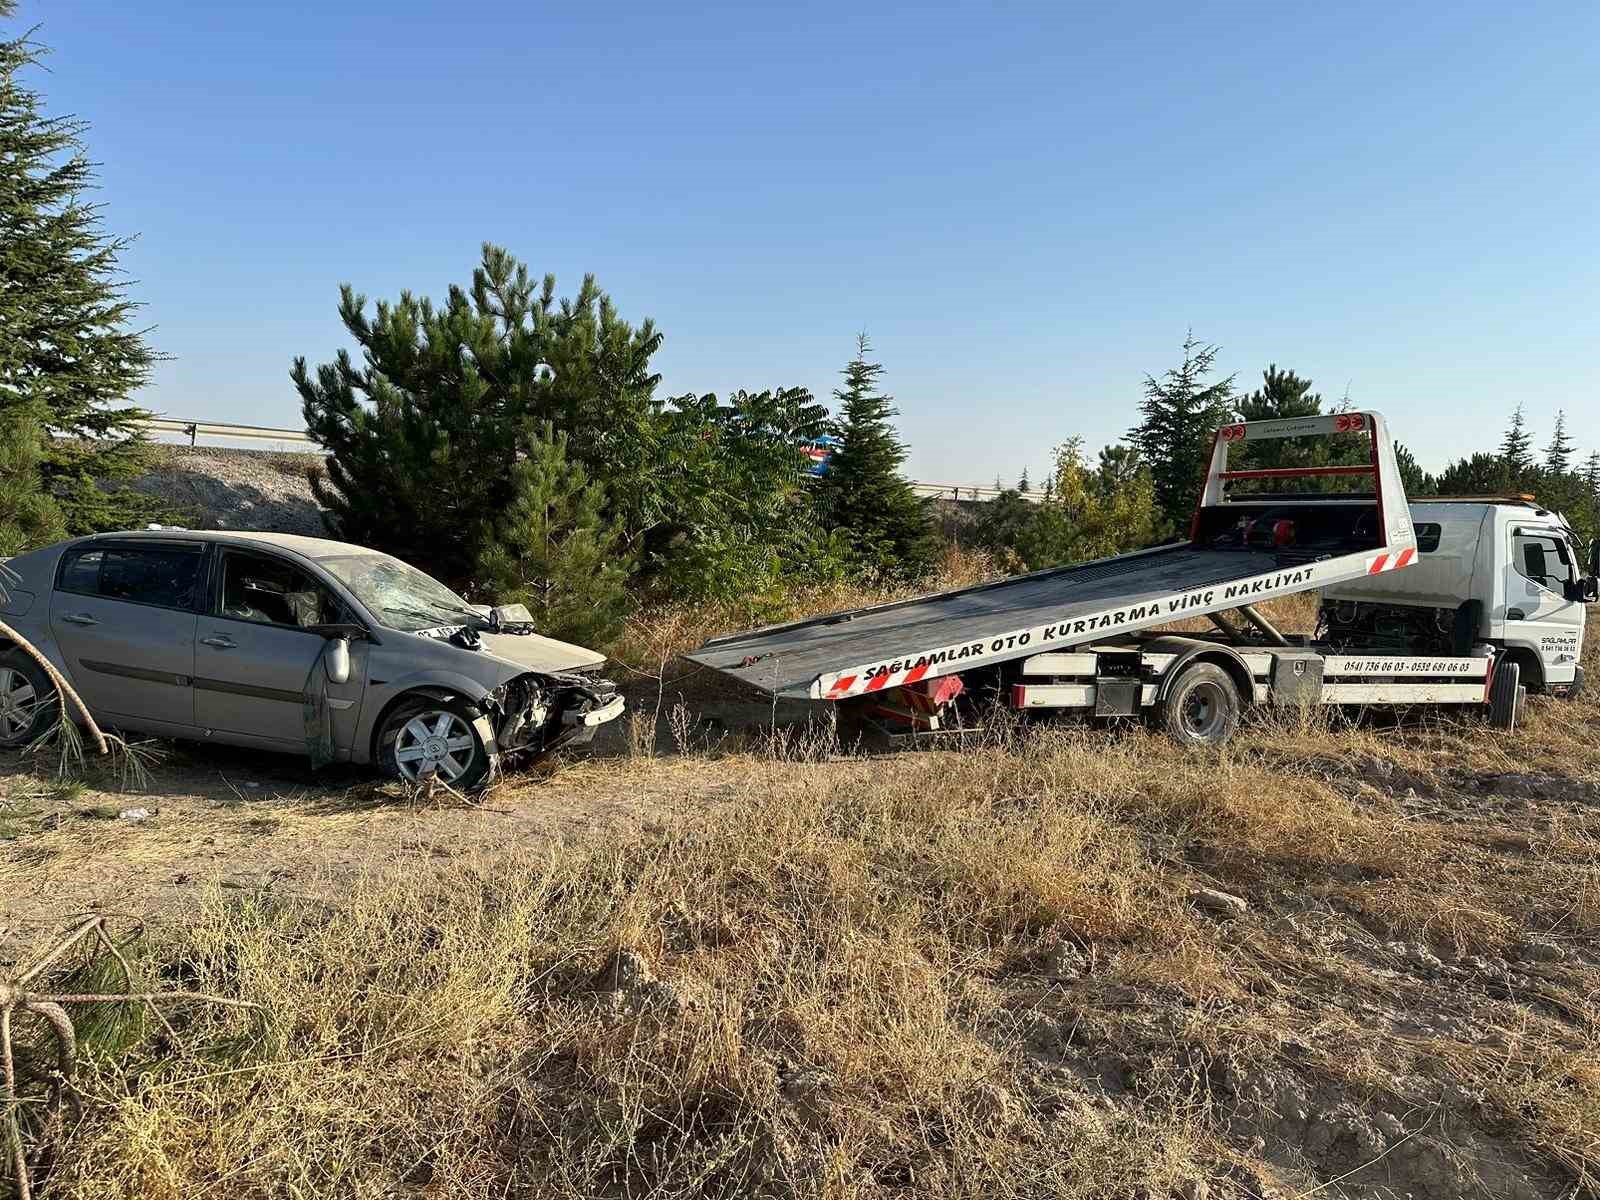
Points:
1391	562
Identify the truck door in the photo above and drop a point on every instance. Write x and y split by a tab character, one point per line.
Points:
1539	617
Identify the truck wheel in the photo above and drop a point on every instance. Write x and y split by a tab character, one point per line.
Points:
1202	708
28	700
1506	695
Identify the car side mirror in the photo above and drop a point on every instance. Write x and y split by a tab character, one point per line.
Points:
1594	558
336	660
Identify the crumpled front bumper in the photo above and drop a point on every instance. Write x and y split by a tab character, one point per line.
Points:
594	717
542	711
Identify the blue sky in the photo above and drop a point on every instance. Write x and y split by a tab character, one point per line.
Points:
1024	205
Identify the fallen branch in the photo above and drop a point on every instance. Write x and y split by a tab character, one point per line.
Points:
15	998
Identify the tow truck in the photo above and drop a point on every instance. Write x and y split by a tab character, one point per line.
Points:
1464	602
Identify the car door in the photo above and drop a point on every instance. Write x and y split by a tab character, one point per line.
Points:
256	649
1538	614
123	614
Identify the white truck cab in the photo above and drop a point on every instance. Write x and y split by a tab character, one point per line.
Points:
1497	570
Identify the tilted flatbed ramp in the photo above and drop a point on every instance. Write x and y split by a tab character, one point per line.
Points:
871	649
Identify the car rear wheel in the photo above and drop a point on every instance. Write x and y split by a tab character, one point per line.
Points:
434	737
28	701
1202	708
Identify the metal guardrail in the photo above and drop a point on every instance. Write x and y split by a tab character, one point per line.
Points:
195	430
199	429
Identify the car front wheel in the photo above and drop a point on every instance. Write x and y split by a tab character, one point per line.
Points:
28	701
437	738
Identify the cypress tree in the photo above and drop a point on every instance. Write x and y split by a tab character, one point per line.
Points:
1180	412
863	493
1558	454
68	356
1516	449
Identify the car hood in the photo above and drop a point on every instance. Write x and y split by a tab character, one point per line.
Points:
531	652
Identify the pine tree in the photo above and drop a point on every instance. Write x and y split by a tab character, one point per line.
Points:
1023	484
1180	412
864	493
423	436
1516	449
29	516
1591	474
555	550
1282	394
1558	454
68	356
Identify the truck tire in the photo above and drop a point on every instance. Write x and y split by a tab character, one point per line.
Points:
1202	706
1506	695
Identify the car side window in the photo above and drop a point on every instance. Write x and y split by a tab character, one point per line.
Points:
165	578
1539	557
271	591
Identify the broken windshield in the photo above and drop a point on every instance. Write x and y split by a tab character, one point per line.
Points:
399	595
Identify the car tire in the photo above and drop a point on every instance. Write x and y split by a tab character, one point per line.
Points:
427	735
1202	708
28	701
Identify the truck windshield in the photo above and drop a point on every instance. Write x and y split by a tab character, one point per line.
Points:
399	595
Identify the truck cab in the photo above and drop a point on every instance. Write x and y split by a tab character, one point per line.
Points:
1497	570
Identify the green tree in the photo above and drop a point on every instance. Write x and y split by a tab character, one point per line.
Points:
1282	395
1481	474
1179	413
1090	514
29	515
69	357
1416	481
1591	474
864	493
1119	465
424	433
1516	449
1558	455
555	549
737	516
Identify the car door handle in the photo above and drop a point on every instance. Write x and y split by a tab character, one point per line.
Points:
79	619
1515	614
220	640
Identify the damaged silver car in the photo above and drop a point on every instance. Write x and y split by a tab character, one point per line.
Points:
291	643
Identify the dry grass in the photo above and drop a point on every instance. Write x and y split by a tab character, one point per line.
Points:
943	974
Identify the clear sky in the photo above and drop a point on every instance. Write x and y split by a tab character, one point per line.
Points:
1025	205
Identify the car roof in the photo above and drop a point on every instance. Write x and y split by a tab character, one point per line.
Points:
306	547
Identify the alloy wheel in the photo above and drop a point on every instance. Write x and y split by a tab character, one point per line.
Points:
435	742
18	703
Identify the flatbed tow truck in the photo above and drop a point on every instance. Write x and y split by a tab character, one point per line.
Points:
1454	602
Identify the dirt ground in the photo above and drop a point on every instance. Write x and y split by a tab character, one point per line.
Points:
1354	963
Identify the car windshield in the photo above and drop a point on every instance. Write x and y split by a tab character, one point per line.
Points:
399	595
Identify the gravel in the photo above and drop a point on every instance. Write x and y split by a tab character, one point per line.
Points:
257	490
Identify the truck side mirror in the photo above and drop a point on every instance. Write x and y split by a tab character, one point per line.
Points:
1594	558
336	659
